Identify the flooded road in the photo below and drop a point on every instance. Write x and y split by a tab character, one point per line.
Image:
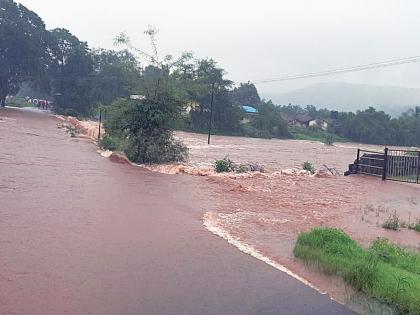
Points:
264	213
82	235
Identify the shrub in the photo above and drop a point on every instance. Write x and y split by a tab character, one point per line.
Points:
140	128
307	166
242	168
415	226
393	222
256	167
224	165
328	140
108	143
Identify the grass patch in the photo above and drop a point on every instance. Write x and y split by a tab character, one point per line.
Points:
314	134
19	104
415	226
393	222
383	271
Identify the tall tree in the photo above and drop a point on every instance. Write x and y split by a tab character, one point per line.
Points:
25	47
115	75
73	73
246	94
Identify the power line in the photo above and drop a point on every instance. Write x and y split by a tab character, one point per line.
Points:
376	65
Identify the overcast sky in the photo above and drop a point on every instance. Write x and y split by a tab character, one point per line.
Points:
259	39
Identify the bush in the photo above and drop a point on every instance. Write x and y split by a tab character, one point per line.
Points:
393	222
160	148
141	129
224	166
328	140
415	226
307	166
108	143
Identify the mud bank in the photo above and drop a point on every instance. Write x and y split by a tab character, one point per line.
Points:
82	128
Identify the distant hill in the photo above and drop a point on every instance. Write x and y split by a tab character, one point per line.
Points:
351	97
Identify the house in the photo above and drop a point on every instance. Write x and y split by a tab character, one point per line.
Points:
300	120
137	97
319	123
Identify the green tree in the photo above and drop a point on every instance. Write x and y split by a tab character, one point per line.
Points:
245	94
25	48
73	73
142	128
115	75
197	78
269	121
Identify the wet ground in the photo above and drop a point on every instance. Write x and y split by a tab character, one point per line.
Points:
82	235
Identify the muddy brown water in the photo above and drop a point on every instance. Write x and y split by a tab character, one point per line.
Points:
268	211
82	235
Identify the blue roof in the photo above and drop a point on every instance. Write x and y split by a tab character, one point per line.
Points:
250	109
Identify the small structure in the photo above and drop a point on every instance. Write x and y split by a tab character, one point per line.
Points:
250	110
137	97
300	120
319	123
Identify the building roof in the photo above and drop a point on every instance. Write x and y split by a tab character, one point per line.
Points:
250	109
302	117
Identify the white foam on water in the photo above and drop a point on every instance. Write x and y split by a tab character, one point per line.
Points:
216	229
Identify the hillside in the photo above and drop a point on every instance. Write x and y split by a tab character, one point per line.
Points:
351	97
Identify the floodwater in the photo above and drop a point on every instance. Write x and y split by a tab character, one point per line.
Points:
262	214
82	235
268	211
274	154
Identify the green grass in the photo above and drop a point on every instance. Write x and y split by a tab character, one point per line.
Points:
384	271
415	226
312	134
19	104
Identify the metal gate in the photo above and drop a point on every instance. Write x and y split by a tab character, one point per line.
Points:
391	164
403	166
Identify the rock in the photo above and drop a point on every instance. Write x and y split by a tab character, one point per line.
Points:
119	158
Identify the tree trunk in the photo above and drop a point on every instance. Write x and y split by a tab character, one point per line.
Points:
3	92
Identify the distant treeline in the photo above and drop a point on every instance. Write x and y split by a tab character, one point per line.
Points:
80	80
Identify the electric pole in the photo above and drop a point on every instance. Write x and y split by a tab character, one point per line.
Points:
211	111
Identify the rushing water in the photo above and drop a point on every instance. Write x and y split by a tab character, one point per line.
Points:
266	212
262	214
58	218
82	235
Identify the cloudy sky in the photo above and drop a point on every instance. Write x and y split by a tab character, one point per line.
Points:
259	39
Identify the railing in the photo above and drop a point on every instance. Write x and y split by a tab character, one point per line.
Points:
370	163
396	165
403	166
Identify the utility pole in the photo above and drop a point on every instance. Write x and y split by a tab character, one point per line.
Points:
100	122
211	111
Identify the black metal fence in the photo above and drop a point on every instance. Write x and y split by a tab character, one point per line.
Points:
370	162
403	166
396	165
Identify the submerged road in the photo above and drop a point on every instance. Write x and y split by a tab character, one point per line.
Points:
82	235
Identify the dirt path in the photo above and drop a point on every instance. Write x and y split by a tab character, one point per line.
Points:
82	235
